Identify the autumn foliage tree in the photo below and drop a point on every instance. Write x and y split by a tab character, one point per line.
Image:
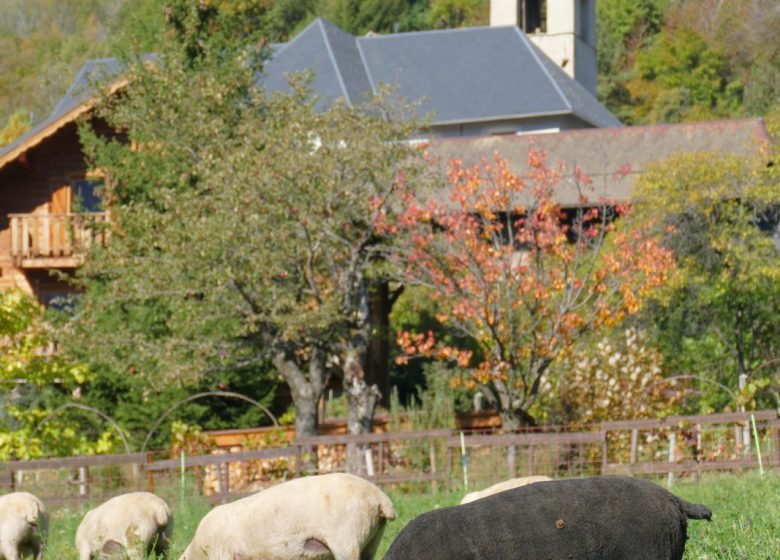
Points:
517	276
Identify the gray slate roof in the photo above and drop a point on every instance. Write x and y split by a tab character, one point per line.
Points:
464	75
94	71
612	158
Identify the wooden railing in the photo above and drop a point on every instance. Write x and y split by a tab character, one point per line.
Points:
48	240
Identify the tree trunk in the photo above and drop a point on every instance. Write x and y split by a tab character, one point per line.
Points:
306	415
511	420
362	399
306	394
378	355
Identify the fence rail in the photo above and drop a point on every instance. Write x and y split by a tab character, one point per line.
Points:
671	446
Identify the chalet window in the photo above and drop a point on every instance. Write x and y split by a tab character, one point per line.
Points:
533	16
85	195
59	300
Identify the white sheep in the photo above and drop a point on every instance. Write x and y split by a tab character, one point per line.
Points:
503	486
337	516
24	524
136	523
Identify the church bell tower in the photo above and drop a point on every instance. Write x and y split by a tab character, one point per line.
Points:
565	30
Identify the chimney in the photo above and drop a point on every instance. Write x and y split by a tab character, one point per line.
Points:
565	30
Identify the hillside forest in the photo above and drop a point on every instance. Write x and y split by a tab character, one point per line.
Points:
658	60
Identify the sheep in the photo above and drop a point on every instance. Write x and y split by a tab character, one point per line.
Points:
599	518
502	486
137	522
335	516
24	525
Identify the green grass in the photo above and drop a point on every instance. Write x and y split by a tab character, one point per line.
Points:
745	517
745	525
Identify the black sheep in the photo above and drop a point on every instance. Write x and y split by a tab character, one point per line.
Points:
599	518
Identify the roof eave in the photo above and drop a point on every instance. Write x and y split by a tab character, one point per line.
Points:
51	129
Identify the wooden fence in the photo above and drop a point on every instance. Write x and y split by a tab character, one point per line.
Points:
673	446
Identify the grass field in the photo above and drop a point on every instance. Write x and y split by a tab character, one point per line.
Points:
745	525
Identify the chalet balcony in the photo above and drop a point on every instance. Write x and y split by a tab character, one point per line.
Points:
55	240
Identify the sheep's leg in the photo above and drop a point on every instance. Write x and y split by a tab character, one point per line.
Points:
36	547
369	551
160	544
10	550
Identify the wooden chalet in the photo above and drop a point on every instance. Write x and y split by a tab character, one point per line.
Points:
50	209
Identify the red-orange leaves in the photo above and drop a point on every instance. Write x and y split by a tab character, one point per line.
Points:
518	274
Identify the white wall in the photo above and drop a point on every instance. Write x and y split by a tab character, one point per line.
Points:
570	37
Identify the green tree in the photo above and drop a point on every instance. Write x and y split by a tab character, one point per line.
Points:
681	78
623	29
720	317
380	16
43	43
459	13
243	225
36	382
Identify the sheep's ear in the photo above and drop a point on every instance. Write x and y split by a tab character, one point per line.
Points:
238	556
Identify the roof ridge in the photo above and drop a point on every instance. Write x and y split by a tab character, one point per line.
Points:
622	130
301	33
366	66
322	21
546	72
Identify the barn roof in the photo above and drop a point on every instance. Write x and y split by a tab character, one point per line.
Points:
611	157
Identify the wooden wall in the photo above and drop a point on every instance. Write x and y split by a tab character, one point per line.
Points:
28	185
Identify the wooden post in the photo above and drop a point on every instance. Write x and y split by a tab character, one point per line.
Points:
218	467
432	458
298	460
15	249
511	456
44	232
672	440
381	457
25	245
530	460
450	462
634	442
369	461
83	477
776	429
149	473
225	487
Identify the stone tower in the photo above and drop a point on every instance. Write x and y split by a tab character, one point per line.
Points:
565	30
